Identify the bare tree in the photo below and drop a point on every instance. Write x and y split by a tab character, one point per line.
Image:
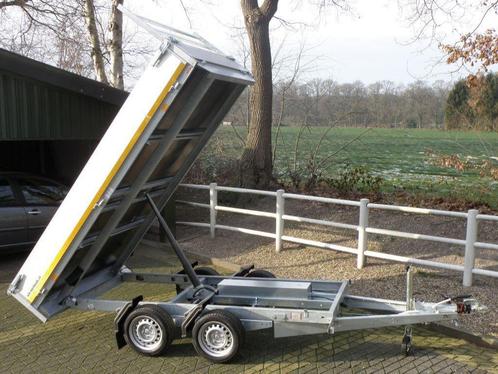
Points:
474	47
70	54
244	55
66	24
116	44
48	31
283	88
256	161
94	40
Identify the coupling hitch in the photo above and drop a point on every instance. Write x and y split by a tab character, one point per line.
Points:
463	303
464	308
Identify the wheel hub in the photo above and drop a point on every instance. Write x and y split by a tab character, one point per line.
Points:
146	333
216	339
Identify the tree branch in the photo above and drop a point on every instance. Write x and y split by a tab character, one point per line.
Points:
269	8
6	3
491	6
249	5
185	11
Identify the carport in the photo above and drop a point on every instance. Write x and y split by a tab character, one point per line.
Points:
50	119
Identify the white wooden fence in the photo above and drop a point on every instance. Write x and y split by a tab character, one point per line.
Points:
470	242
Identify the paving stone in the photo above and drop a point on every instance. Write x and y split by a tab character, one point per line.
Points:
80	342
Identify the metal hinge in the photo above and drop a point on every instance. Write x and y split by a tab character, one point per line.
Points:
163	48
99	203
174	87
14	286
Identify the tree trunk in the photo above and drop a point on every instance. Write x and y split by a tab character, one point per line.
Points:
116	44
93	37
256	161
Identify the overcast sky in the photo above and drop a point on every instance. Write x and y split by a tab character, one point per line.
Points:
368	44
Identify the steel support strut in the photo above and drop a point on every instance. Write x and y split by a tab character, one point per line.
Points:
189	270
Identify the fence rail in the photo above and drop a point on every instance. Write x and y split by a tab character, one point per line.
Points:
470	243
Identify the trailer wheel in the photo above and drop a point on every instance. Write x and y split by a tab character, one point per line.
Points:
201	270
260	273
218	335
149	330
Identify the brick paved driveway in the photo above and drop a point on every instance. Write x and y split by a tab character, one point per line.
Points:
83	342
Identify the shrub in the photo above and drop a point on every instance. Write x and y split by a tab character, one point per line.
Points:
356	179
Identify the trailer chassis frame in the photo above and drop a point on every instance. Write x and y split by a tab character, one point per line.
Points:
325	312
290	307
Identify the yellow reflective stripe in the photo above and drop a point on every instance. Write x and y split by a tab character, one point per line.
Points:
41	282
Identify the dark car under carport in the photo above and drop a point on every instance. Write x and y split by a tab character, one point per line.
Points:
27	204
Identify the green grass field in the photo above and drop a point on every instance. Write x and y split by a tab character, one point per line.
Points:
400	156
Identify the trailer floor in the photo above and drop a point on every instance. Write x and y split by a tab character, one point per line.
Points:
84	342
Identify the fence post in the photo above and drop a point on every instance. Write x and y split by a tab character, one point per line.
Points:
362	233
409	289
213	202
279	222
470	250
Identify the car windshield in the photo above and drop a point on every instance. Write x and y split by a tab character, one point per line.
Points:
41	191
6	193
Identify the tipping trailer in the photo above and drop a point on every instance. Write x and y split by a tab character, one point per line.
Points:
166	121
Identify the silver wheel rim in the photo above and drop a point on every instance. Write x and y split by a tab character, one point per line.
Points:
216	339
145	333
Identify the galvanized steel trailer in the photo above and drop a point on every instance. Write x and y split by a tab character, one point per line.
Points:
167	119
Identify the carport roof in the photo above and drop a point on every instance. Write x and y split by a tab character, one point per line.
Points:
41	72
42	102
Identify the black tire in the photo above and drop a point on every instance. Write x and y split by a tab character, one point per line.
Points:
205	270
260	273
221	322
150	317
201	270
